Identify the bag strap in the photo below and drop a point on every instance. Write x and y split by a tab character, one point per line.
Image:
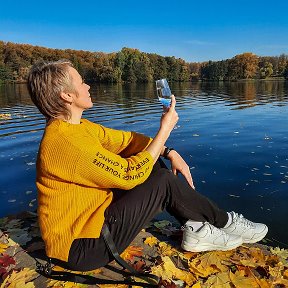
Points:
47	271
113	250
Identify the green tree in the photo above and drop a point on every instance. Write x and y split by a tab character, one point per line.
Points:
266	70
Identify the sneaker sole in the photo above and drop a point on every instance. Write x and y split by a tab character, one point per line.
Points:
259	238
208	247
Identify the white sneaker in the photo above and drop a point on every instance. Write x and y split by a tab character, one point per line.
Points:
249	231
207	238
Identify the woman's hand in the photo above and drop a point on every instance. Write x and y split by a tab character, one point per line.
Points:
178	164
169	117
168	121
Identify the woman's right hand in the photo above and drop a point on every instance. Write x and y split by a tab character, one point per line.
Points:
167	123
169	117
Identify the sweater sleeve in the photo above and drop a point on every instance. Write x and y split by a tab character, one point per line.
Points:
99	167
118	141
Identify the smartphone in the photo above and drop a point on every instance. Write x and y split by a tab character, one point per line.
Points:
163	92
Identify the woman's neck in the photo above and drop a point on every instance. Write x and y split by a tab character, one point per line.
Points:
72	120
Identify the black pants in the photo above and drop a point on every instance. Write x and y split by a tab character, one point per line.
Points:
131	210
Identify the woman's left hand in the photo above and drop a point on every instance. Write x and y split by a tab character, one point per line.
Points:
178	164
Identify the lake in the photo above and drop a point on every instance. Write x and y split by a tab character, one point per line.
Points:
233	136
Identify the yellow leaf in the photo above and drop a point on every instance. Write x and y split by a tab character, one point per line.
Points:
285	274
249	262
132	251
197	285
209	263
278	251
281	281
3	247
168	271
220	280
281	253
276	271
264	283
151	241
20	278
5	116
187	255
113	286
65	284
239	279
166	249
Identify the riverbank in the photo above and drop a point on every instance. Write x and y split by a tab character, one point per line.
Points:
155	249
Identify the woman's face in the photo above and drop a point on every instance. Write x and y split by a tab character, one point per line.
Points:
81	99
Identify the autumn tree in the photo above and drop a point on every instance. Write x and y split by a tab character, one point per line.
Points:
243	66
132	65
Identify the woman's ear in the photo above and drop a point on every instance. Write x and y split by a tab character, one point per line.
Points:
66	97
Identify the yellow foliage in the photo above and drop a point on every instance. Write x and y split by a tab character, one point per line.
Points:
239	279
5	116
285	274
151	241
197	285
219	280
166	249
132	251
281	253
3	247
209	263
168	271
65	284
20	279
113	286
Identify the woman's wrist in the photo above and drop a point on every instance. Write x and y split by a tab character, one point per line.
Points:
167	151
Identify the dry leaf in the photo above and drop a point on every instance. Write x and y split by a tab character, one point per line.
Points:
5	116
161	224
220	280
7	260
20	278
3	247
151	241
239	279
131	252
209	263
168	271
166	249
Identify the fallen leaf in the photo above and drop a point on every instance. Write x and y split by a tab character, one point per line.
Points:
168	271
131	252
6	260
220	280
5	116
161	224
165	249
239	279
151	241
20	278
3	247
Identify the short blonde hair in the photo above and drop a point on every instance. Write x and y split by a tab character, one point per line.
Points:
46	82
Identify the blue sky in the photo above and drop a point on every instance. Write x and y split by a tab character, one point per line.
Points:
194	31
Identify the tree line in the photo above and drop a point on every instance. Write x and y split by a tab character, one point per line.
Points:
132	65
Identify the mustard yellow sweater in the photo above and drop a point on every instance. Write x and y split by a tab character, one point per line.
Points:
76	168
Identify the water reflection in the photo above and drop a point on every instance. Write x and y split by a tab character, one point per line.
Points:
242	94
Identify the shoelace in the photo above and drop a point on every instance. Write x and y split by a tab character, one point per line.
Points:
240	219
216	231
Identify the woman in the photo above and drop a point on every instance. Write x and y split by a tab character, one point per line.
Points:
88	174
